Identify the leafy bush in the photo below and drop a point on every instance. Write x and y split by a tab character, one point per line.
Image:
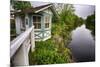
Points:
46	53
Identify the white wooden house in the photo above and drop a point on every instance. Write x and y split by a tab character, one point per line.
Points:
40	17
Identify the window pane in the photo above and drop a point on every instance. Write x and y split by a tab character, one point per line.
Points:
47	22
47	19
46	25
34	25
34	18
37	25
38	19
26	21
37	22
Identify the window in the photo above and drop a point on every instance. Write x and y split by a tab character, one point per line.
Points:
47	19
37	22
23	22
26	21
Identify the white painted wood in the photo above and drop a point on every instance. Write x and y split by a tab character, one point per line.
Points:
50	21
46	38
42	36
43	9
47	35
17	22
20	47
16	43
32	41
26	17
48	11
21	57
35	22
22	21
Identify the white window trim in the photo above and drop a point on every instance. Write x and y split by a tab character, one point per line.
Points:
49	22
40	22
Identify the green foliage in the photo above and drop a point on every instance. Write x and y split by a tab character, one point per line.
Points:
47	53
68	18
20	5
78	21
91	19
66	14
48	45
55	49
12	23
90	23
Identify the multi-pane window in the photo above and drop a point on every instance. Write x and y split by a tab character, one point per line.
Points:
47	19
37	22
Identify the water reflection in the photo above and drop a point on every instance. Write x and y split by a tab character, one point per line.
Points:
82	45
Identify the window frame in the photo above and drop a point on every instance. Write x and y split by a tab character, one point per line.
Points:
48	23
38	27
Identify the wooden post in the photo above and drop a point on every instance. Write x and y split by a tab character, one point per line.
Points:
42	27
32	40
17	23
26	21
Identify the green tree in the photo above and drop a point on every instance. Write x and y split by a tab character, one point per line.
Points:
20	5
91	19
90	23
67	13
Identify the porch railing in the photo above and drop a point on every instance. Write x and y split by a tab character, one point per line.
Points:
20	47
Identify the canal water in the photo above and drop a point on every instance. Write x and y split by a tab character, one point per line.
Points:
82	45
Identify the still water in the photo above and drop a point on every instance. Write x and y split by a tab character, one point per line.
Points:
82	45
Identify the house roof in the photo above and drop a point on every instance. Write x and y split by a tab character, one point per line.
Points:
37	3
37	9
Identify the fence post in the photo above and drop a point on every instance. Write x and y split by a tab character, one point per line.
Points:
32	40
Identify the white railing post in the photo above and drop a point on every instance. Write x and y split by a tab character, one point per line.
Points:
32	40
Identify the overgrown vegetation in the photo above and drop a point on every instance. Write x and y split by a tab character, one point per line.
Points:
49	53
55	49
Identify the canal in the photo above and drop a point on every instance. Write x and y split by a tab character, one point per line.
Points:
82	44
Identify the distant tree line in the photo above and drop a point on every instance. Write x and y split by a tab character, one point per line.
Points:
90	23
